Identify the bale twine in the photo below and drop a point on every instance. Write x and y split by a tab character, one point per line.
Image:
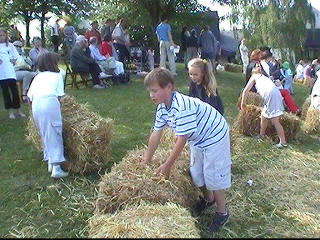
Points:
305	107
86	136
252	99
312	122
145	220
129	182
231	67
248	123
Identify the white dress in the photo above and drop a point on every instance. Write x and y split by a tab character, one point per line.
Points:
44	91
272	99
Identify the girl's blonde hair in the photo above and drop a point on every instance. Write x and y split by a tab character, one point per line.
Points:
209	81
6	32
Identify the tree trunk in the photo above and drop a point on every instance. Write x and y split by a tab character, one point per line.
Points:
43	40
27	20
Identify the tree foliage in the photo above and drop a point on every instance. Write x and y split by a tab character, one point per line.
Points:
273	23
144	15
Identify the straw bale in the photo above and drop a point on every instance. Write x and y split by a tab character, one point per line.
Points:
129	182
252	99
145	220
33	136
86	136
305	107
291	125
231	67
312	122
168	138
248	123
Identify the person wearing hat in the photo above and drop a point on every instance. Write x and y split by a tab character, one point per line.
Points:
287	73
93	32
82	62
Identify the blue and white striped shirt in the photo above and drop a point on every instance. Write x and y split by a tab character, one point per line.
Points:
202	124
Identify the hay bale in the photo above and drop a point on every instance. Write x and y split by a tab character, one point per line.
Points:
312	122
32	135
252	99
305	107
248	123
231	67
145	221
86	136
129	182
168	138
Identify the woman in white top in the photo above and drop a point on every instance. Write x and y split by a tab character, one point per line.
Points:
8	57
44	93
272	100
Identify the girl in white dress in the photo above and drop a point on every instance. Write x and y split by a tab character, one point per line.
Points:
44	94
8	57
272	100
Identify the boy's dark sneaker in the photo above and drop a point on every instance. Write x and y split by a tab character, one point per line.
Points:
200	206
219	220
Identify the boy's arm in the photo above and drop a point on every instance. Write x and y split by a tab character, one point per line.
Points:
164	169
153	143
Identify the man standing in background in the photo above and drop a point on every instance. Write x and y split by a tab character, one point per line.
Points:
166	46
244	52
55	35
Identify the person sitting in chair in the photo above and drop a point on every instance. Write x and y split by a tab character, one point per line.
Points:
82	62
107	63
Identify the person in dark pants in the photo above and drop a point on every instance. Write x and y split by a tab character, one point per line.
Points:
120	36
55	35
8	57
82	62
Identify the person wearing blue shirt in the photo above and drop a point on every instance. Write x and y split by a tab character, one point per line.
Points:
207	133
166	46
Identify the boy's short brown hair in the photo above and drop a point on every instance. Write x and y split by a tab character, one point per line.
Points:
48	61
161	76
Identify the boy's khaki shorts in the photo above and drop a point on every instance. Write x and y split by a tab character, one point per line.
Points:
211	167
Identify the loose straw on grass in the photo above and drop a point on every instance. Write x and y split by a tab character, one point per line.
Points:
145	220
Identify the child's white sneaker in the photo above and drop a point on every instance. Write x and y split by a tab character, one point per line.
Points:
50	167
11	115
20	114
57	172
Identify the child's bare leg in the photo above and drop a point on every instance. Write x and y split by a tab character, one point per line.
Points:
220	201
263	125
208	195
276	123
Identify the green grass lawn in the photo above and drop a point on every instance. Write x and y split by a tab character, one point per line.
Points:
282	202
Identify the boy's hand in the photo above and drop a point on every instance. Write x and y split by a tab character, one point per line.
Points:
142	161
163	170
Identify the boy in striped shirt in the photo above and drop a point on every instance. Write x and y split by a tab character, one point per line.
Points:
207	133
